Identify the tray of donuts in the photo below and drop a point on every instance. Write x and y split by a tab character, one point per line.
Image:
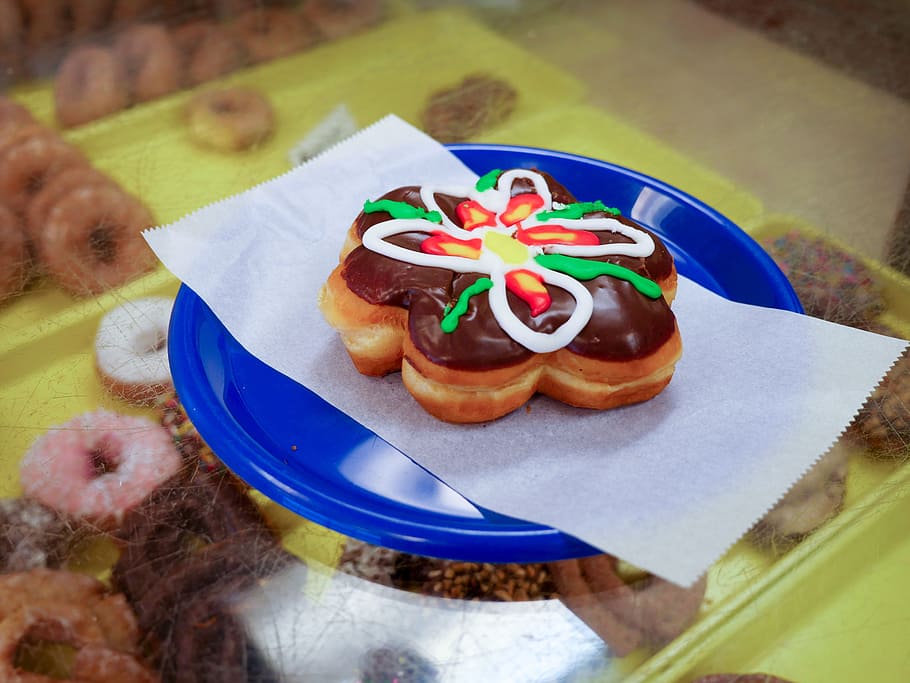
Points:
470	78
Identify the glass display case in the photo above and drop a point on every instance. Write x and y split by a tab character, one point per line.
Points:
172	508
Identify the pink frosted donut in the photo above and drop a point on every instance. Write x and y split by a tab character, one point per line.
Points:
98	466
131	349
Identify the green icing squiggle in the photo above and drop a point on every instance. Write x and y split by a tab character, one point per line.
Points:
401	210
577	210
449	322
582	269
488	180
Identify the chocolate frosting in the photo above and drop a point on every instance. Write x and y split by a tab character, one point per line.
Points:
625	325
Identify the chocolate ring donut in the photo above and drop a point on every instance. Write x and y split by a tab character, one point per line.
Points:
161	533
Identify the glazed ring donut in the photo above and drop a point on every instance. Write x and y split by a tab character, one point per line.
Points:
98	466
20	589
272	33
131	349
336	18
230	120
31	157
60	623
15	259
56	189
151	59
91	240
645	611
34	536
208	51
91	83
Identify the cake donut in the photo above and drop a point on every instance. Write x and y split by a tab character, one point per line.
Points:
31	535
337	18
15	259
29	158
91	239
98	466
131	349
270	33
482	296
208	51
627	612
151	59
91	83
230	119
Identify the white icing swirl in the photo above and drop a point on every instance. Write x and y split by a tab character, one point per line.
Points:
489	262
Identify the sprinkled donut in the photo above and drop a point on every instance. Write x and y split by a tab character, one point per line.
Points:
208	51
29	158
272	33
131	349
92	240
98	466
91	83
831	284
233	119
31	535
151	59
14	255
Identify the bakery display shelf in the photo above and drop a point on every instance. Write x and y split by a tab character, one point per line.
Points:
149	151
755	598
588	131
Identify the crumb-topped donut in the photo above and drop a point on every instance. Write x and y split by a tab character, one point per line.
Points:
484	295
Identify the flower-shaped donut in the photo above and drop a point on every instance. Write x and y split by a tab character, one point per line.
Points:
484	295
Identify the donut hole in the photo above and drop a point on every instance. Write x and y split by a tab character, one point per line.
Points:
150	342
103	461
102	241
44	650
34	182
224	106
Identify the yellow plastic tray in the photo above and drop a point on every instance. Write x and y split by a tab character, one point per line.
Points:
47	367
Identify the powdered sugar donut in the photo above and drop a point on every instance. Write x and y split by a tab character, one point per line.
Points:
131	349
98	466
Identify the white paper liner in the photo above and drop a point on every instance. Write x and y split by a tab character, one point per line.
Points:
668	485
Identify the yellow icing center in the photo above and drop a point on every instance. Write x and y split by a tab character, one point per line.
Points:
509	250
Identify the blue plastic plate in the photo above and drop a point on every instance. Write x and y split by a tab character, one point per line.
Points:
343	476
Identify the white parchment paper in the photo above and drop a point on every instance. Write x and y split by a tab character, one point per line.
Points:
668	485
